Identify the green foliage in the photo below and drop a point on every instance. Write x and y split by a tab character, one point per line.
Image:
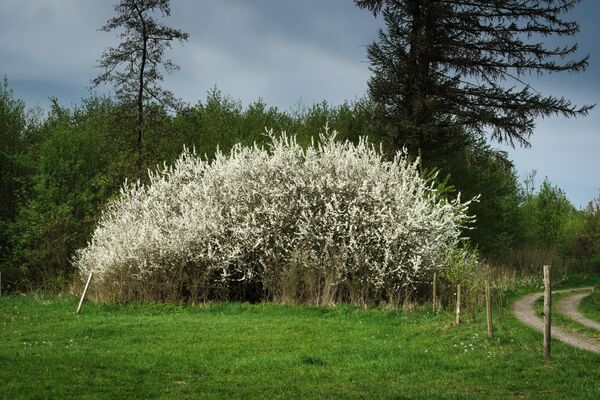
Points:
76	159
546	214
14	128
585	240
59	171
481	170
221	122
552	225
460	263
66	190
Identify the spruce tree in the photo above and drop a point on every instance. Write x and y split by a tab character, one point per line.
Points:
443	69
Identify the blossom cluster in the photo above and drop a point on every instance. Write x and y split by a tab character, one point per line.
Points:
333	209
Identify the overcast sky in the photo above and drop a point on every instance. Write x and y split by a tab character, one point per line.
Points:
283	51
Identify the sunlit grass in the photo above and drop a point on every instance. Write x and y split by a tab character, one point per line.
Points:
273	351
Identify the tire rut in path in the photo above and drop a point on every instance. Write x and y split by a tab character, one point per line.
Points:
569	306
523	309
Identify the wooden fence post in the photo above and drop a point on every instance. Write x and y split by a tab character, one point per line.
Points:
547	312
434	300
488	309
83	294
458	304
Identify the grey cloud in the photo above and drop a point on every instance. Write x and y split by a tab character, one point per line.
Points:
282	51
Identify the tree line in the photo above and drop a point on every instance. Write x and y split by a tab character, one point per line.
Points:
448	80
59	171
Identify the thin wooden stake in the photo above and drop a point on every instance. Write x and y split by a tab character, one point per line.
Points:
84	291
547	312
458	304
434	299
488	309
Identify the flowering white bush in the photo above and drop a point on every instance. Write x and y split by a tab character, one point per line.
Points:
335	214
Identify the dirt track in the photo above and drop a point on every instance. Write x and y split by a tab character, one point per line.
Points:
524	311
569	306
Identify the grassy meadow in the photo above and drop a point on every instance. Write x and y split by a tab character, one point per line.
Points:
272	351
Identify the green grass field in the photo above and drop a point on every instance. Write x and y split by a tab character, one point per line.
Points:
273	351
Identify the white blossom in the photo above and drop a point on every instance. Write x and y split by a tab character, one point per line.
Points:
334	209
